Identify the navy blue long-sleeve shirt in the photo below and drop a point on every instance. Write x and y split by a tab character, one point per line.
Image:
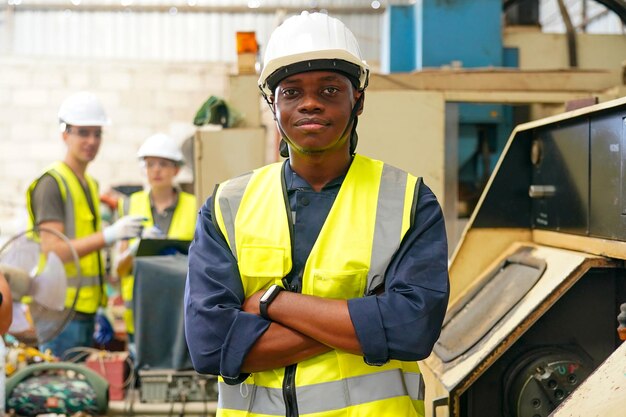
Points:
401	323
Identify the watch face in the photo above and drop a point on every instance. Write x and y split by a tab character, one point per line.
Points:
266	296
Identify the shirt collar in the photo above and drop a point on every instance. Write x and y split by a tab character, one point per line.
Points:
171	207
296	182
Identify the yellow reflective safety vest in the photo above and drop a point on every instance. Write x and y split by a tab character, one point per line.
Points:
371	214
182	227
80	221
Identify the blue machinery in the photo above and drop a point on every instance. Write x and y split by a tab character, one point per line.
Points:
457	33
468	34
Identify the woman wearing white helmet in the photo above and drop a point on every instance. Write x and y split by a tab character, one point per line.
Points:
169	211
316	284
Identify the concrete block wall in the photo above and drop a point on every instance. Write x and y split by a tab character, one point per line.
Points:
141	98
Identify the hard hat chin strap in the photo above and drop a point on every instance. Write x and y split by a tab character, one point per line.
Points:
353	121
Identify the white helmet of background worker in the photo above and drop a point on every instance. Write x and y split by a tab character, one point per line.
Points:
312	42
163	146
82	109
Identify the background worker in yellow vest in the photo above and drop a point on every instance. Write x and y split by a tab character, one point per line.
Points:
315	285
169	212
66	199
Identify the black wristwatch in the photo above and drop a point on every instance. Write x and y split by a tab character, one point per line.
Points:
267	298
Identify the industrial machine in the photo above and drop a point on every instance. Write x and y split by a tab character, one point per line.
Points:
177	386
538	276
602	394
165	370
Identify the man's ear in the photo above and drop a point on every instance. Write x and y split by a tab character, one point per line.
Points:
361	95
272	103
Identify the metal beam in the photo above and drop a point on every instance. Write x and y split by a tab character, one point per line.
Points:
500	80
513	97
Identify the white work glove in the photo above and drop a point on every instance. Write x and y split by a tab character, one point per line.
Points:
127	227
152	233
132	249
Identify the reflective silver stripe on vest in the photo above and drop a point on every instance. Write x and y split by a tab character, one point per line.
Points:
70	222
388	228
92	281
229	201
326	396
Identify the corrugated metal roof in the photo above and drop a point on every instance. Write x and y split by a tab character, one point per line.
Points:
265	3
204	30
159	35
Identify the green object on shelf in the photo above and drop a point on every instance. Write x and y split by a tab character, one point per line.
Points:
216	111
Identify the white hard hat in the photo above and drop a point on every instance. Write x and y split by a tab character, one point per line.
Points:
83	109
161	145
309	42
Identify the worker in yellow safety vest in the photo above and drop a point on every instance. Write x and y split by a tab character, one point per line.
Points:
65	198
316	284
169	212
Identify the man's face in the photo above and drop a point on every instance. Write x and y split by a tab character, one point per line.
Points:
313	109
83	142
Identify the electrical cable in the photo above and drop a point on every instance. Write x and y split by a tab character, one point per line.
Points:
130	397
83	352
128	384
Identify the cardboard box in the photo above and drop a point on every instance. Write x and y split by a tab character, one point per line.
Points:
113	366
246	63
221	154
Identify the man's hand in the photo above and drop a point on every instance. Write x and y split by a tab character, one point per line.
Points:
251	304
280	345
324	320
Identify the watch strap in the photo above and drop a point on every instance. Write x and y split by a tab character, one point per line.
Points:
267	298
